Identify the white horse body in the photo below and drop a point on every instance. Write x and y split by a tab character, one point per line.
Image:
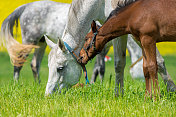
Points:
48	18
80	17
36	20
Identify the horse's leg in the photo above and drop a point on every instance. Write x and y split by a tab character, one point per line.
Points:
16	73
102	64
95	70
162	71
147	77
119	46
99	67
149	53
17	69
37	58
164	74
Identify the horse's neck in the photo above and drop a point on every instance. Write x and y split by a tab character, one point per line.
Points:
114	27
80	16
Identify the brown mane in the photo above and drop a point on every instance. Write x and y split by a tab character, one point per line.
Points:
120	6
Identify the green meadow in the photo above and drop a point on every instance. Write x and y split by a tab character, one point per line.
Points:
26	98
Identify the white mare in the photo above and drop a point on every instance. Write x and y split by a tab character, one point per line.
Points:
80	16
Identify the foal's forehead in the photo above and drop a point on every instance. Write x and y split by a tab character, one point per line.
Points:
89	35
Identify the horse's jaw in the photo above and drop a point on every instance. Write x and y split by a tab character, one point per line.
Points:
71	76
64	71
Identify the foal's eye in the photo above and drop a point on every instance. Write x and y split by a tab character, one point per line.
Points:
60	68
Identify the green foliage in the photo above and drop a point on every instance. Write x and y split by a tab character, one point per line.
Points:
26	98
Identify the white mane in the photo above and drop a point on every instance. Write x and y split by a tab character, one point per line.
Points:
80	16
121	3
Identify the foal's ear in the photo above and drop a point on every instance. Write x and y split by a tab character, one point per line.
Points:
61	45
49	42
94	27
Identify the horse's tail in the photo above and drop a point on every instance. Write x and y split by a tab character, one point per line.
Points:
17	52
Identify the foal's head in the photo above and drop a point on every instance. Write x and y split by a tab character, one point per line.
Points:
92	44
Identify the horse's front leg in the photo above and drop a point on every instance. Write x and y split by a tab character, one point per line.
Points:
150	63
148	91
119	46
95	70
99	67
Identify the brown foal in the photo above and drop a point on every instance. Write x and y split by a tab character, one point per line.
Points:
149	21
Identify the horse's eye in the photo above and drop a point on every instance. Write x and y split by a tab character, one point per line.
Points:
60	68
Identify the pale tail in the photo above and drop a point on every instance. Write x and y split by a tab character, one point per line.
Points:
17	52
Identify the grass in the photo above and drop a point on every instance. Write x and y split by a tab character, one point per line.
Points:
27	98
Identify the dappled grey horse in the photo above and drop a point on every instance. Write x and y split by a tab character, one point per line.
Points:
36	20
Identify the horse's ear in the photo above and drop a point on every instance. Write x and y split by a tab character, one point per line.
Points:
49	42
94	27
61	45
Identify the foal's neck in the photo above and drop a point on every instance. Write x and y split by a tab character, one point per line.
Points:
116	26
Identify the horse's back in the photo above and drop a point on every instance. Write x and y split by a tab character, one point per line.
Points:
149	16
42	17
165	16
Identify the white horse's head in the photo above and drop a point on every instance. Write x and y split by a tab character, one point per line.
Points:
64	71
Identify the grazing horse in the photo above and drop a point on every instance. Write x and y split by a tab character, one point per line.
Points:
148	26
36	20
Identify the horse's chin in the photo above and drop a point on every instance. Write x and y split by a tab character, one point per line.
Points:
50	89
84	61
